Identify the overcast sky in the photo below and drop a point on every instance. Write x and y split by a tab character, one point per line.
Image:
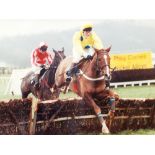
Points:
10	28
18	27
23	18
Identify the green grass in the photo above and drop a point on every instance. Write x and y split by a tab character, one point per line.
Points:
137	132
3	86
125	132
128	92
136	92
68	95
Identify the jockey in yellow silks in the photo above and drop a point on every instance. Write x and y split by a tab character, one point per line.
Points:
84	43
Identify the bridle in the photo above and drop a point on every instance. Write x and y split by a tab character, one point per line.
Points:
60	56
100	70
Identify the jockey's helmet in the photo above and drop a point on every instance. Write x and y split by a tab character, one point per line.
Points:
43	46
87	27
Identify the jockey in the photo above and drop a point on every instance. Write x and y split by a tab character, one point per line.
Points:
40	59
84	43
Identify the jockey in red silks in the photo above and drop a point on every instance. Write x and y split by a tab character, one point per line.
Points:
40	59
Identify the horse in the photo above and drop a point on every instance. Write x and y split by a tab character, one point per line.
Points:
46	81
91	82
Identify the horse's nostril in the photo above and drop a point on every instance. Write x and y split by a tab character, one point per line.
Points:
106	76
109	77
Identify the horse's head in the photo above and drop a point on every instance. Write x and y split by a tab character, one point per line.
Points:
59	56
103	63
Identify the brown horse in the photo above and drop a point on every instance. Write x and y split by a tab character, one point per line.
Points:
47	81
91	83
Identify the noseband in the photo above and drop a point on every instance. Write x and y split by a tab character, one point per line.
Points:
99	70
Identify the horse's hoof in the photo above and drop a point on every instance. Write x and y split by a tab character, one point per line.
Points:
105	130
52	90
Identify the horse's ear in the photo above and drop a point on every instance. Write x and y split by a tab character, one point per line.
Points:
108	49
54	50
63	49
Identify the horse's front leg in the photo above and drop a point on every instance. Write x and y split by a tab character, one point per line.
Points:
89	100
113	99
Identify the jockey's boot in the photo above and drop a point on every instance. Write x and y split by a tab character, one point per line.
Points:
36	85
71	71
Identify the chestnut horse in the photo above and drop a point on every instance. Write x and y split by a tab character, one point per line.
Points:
91	83
47	81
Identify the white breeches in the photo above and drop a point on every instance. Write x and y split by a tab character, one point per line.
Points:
78	56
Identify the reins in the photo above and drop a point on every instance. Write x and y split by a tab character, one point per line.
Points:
97	70
82	73
74	66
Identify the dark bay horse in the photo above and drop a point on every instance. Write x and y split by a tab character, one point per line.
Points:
47	81
90	84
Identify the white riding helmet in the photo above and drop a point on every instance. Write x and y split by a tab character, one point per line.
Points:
43	44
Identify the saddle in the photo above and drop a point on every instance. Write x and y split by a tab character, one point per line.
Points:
38	79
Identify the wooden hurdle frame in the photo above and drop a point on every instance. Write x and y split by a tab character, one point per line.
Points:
61	116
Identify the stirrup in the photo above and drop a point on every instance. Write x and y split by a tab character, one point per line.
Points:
77	72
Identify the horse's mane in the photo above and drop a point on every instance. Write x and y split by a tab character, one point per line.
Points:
83	60
53	67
